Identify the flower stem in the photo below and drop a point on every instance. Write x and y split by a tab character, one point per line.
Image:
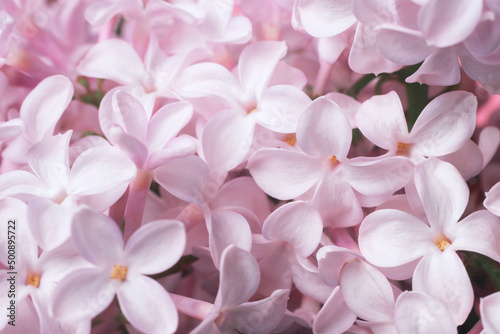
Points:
137	195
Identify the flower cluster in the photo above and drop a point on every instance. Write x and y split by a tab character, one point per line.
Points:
249	166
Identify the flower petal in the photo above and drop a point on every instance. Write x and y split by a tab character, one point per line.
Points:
279	108
227	228
402	45
447	22
239	277
417	310
442	275
445	124
331	259
259	317
325	18
96	237
490	306
44	105
83	294
284	174
335	316
185	178
324	130
367	291
389	238
443	192
227	139
90	174
156	246
113	59
297	223
381	119
256	65
479	232
166	124
147	306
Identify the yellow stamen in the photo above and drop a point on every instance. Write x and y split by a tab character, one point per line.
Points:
33	279
442	243
252	111
403	146
290	139
333	159
119	272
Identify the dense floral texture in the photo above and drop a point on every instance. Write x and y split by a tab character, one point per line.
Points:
249	166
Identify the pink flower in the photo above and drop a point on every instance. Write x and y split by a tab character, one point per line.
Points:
121	270
393	238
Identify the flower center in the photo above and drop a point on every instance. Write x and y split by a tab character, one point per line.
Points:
290	139
442	243
34	280
333	159
119	272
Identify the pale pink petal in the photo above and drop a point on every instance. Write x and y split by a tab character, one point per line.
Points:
238	30
285	74
381	119
324	130
492	201
49	160
279	108
50	222
489	140
378	177
374	13
156	246
479	232
445	124
239	277
389	238
11	129
307	280
336	202
297	223
367	291
113	59
227	139
44	105
347	104
331	259
126	111
166	124
335	316
22	185
330	48
96	237
227	228
402	45
256	65
365	55
90	174
146	304
441	68
490	306
83	294
468	160
209	79
417	310
133	147
284	174
179	147
442	275
447	22
324	18
241	195
259	317
185	178
442	190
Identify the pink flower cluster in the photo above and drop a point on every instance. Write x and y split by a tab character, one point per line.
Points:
249	166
